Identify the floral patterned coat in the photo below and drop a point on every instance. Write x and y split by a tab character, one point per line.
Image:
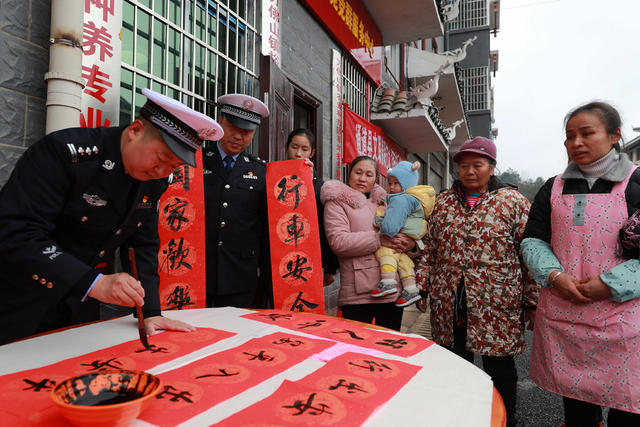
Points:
483	245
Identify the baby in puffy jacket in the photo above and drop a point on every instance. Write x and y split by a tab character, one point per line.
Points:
408	206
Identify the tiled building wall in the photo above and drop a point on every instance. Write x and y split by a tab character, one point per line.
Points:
24	59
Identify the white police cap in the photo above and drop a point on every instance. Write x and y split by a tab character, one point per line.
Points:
181	127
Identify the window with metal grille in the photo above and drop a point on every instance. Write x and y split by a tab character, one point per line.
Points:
191	50
473	13
354	86
475	88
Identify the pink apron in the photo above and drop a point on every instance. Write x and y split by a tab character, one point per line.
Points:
588	352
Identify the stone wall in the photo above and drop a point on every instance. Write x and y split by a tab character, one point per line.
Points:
24	59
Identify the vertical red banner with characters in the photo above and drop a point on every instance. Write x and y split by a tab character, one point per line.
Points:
294	240
181	260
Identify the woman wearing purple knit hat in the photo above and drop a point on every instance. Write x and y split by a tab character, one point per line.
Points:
480	293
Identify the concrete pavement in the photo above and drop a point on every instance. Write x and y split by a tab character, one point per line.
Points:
536	407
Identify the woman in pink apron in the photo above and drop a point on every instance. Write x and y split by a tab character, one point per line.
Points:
586	344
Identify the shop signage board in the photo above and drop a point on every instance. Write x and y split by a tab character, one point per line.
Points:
271	30
101	59
352	25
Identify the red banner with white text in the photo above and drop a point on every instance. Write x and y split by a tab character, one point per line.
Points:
363	138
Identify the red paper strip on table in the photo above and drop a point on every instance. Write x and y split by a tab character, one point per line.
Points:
24	395
295	244
198	386
182	242
344	392
343	331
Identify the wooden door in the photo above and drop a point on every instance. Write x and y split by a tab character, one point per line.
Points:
279	100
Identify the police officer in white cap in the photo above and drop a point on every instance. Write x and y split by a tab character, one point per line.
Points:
76	196
236	209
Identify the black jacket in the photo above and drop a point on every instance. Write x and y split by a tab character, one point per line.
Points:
63	213
236	225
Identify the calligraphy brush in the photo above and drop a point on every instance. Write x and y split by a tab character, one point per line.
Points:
134	272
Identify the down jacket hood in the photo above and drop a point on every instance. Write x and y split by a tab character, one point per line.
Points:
337	190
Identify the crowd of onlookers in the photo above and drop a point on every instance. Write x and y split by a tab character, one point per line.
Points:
492	264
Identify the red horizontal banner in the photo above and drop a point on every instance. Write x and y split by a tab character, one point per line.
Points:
363	138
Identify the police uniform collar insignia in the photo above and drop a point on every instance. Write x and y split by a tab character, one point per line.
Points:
94	200
206	171
209	153
108	164
246	159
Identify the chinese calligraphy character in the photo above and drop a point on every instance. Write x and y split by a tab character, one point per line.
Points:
176	213
277	316
372	365
315	324
352	334
300	304
296	270
169	390
351	387
98	365
179	298
223	373
92	37
399	343
287	340
294	229
283	194
261	356
45	384
181	175
96	81
175	256
153	349
303	407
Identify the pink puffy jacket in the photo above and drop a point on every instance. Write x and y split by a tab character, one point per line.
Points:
348	222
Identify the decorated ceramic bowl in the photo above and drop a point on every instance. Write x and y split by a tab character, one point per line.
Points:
105	398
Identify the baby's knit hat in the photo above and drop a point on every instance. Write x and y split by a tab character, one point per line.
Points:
406	173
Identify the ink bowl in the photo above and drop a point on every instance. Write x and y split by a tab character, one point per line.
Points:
105	398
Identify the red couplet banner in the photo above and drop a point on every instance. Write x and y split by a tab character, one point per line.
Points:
363	138
294	241
181	260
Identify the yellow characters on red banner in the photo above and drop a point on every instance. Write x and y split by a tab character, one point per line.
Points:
294	238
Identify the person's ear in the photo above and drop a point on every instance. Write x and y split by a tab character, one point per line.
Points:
313	153
136	130
615	137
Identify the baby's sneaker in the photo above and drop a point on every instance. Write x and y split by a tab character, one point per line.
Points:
407	298
385	287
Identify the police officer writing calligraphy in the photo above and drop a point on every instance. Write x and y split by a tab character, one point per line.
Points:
236	209
76	196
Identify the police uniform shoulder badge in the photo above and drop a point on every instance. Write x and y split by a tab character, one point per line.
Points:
81	152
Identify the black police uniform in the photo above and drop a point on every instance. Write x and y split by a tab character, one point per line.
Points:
65	209
236	230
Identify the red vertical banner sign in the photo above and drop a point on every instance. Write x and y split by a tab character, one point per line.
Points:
182	246
296	263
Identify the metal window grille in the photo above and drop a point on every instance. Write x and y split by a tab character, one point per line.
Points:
475	88
473	13
354	86
193	51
